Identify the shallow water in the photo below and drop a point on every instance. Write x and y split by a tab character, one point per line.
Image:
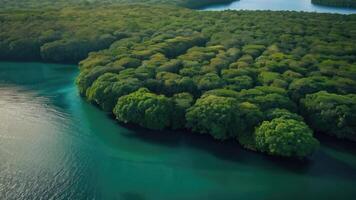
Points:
55	145
291	5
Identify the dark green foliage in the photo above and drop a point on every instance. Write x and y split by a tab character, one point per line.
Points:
253	50
179	45
20	49
282	113
144	108
72	50
87	77
182	101
214	115
285	137
251	116
268	98
171	83
219	73
300	87
235	80
223	93
106	90
209	81
201	3
171	66
331	113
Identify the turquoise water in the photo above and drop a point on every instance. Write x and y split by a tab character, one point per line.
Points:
292	5
55	145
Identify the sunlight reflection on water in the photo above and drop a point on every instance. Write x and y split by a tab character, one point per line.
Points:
291	5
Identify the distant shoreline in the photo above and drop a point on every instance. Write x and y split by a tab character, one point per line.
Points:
336	3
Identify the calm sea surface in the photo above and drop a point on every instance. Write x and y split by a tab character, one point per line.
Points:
292	5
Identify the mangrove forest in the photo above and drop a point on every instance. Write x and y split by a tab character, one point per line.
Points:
271	80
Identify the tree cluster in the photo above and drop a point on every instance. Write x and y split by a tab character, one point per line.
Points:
266	79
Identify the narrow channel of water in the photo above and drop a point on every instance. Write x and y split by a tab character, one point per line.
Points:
55	145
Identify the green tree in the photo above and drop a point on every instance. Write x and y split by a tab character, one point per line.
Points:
285	137
144	108
87	77
332	114
182	101
106	90
214	115
281	113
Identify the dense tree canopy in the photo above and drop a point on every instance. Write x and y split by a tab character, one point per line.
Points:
285	137
330	113
215	115
109	87
144	108
226	74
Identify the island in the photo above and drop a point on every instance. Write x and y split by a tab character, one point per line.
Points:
269	80
336	3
